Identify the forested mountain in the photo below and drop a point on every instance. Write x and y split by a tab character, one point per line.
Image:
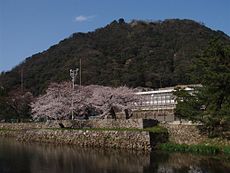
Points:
139	53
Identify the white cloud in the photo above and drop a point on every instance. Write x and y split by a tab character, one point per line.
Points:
82	18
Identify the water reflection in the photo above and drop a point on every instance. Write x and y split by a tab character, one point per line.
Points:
188	163
17	157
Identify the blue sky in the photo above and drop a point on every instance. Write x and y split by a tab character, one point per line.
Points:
31	26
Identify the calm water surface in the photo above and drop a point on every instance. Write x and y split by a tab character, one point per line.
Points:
18	157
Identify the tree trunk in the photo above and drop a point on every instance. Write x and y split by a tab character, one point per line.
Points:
113	114
127	115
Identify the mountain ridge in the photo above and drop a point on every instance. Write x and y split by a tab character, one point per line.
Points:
140	53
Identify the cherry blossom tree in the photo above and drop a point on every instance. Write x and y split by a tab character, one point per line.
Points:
110	100
56	102
87	101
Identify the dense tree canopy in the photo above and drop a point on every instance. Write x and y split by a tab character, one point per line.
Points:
140	53
209	104
15	105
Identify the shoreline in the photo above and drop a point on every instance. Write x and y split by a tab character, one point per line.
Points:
165	137
195	148
133	139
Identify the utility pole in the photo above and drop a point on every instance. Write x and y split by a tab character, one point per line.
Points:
80	72
73	74
22	80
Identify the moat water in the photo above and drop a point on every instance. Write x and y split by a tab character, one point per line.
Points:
16	157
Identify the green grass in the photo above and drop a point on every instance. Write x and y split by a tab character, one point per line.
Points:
4	129
155	129
226	149
200	148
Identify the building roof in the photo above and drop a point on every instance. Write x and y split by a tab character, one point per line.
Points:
169	89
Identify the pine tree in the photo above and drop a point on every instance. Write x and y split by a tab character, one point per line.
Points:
209	104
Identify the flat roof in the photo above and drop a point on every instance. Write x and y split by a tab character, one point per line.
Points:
160	91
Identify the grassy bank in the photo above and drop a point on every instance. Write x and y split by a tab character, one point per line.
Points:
199	148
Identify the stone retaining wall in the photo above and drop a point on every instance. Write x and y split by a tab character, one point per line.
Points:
103	123
184	134
8	133
134	140
138	140
167	116
121	138
23	126
92	123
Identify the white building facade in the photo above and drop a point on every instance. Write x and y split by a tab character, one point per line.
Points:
160	103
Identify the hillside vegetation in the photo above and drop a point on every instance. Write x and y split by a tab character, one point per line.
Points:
139	53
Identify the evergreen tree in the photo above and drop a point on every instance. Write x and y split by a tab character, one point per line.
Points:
209	104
